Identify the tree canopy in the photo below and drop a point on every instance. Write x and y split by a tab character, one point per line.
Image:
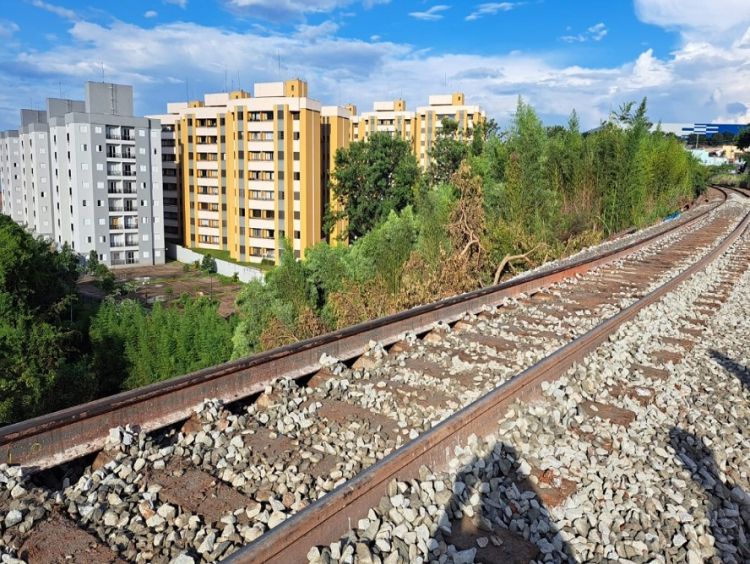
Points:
371	179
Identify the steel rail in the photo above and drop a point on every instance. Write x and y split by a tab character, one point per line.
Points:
52	439
328	518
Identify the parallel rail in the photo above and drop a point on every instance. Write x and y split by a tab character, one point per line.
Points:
55	438
327	519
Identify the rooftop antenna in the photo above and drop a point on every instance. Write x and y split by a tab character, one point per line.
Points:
239	83
102	64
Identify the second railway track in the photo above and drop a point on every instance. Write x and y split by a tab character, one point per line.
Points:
231	473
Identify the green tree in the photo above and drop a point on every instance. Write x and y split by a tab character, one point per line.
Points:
371	179
743	138
208	264
447	152
37	290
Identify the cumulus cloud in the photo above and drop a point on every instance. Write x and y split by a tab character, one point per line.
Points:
181	3
695	15
8	29
283	10
159	60
490	9
432	14
596	32
151	14
54	9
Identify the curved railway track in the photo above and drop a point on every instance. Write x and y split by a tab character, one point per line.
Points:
404	403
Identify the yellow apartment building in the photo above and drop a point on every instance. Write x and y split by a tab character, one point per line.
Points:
419	127
390	117
244	171
429	120
337	132
250	168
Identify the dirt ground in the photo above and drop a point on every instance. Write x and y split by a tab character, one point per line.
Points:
166	283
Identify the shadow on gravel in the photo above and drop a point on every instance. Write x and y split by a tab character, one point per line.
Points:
728	504
742	372
499	504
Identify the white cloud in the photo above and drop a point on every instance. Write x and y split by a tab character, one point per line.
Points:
715	15
151	14
158	59
8	29
283	10
55	9
181	3
313	32
596	32
490	9
432	14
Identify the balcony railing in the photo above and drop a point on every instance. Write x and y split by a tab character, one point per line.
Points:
120	262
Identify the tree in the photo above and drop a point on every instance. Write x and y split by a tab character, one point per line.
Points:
93	261
37	289
447	153
371	179
743	138
208	264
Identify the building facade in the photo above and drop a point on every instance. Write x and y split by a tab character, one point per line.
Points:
337	127
429	121
421	127
11	176
250	169
91	176
703	129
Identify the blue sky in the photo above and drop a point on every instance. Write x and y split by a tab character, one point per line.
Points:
693	62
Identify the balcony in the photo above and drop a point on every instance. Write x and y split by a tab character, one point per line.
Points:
123	208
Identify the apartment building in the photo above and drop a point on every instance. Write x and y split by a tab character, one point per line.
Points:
420	127
337	131
91	176
11	175
428	122
35	172
390	117
171	178
250	168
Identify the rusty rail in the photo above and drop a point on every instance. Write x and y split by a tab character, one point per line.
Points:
327	519
52	439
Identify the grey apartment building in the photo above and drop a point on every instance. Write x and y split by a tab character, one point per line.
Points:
89	175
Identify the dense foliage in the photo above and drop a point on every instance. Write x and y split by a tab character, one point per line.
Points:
371	179
488	203
133	347
36	294
57	351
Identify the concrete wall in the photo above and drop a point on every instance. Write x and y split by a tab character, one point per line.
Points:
244	273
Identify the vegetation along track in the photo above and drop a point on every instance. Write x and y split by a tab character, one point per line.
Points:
232	473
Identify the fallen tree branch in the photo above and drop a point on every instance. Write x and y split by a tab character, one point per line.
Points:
508	259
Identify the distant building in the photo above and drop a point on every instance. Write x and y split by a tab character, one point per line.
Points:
705	129
88	173
420	127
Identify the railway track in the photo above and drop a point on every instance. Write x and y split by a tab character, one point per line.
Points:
230	473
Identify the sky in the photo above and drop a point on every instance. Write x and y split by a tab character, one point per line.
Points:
691	58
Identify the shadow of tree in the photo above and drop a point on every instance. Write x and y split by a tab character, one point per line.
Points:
499	515
742	372
728	503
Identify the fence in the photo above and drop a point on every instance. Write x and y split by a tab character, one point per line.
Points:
244	273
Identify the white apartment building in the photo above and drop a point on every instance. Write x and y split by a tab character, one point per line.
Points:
92	178
11	188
